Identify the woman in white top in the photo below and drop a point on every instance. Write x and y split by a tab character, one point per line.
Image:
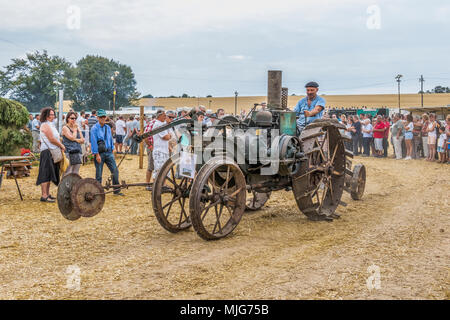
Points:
432	137
409	136
367	130
48	170
343	120
348	125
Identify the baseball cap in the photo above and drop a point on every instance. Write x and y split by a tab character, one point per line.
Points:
101	113
159	112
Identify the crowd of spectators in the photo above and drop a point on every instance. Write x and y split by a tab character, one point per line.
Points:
82	134
411	137
98	136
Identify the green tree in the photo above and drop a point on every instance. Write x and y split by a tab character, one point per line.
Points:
31	80
441	89
438	89
13	136
147	96
96	87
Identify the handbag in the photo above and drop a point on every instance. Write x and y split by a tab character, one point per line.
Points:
72	147
74	158
101	144
57	154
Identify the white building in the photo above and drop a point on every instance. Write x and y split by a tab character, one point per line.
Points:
135	110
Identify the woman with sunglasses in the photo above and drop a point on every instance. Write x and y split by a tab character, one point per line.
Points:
50	140
72	140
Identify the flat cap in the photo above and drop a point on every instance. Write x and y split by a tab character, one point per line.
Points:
312	84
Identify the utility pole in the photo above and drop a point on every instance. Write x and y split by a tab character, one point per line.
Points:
398	77
57	88
141	144
60	110
113	78
421	80
235	102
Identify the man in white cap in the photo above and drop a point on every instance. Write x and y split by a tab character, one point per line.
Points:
160	143
170	116
311	107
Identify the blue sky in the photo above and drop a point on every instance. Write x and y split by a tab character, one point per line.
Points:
203	47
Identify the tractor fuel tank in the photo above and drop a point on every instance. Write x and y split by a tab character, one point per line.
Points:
288	124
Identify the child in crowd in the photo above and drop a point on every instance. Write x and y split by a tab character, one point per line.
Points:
442	145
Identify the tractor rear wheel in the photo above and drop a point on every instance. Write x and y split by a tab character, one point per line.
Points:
319	184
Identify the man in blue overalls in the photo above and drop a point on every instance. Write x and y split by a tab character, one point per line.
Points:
311	107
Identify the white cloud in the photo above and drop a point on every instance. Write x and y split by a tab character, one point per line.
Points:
191	42
104	21
239	57
443	13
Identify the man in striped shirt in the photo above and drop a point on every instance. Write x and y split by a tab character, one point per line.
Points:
92	119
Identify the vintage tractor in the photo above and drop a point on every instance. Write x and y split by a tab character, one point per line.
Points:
238	163
312	163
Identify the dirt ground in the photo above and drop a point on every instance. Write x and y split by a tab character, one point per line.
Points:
401	227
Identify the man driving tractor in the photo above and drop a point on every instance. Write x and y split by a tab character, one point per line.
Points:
310	107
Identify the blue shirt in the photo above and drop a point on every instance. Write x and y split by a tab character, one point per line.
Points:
302	105
35	124
98	133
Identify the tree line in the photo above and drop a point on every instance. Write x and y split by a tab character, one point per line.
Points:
184	95
35	80
438	89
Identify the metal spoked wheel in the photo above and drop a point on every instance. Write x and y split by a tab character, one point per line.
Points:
257	200
88	197
64	199
319	186
358	182
169	195
217	199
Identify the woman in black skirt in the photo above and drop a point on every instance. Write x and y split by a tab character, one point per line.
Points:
50	140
